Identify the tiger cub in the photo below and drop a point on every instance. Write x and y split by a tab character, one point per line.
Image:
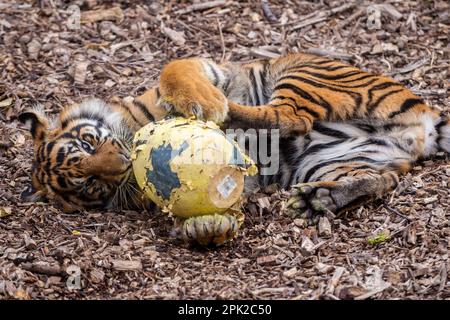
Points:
346	134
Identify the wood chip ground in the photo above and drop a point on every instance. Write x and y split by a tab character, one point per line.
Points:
55	54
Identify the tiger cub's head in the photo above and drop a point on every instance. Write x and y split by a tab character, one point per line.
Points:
82	160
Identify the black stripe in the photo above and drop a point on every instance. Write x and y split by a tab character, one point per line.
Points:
48	150
360	78
316	148
214	72
142	107
128	111
82	116
286	98
50	147
371	141
265	116
277	116
339	83
297	107
372	107
317	126
332	77
60	156
294	108
67	135
88	136
226	85
347	173
254	88
41	153
263	75
303	94
320	67
354	95
33	128
315	168
407	104
398	145
329	68
77	129
444	120
62	182
380	86
366	127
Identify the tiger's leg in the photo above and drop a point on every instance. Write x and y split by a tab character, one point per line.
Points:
310	200
236	95
344	165
292	119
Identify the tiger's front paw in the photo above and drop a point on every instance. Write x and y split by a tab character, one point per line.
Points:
310	201
199	100
186	91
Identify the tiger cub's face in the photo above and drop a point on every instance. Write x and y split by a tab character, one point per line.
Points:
83	161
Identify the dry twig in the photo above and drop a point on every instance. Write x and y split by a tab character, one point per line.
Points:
323	15
201	6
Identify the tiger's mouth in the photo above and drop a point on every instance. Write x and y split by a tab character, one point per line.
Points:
128	196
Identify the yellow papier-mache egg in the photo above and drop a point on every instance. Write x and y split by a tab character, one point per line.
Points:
189	167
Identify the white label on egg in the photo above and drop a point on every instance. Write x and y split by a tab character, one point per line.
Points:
226	186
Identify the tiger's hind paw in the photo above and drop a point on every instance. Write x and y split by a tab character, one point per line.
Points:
310	201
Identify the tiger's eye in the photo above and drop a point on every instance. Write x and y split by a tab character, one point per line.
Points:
87	147
90	180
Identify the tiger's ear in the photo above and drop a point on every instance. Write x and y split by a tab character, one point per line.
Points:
37	122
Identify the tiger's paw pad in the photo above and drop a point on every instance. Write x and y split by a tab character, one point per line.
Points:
210	229
310	203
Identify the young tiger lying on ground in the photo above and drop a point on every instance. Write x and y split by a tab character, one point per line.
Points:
345	134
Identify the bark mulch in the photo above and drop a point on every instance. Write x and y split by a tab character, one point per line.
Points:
396	247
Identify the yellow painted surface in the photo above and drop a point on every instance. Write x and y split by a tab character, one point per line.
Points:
185	166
